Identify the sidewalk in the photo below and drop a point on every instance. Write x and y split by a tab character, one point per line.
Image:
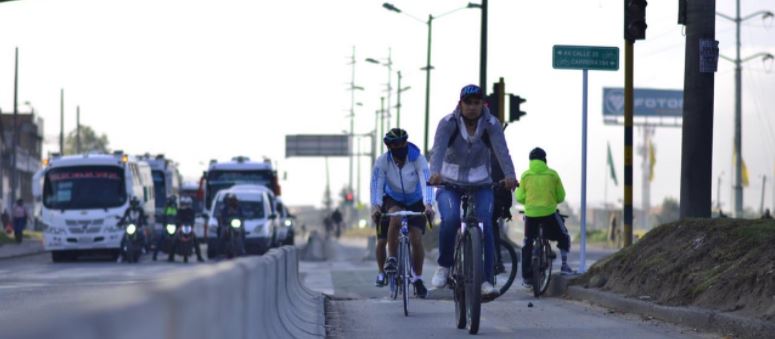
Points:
27	247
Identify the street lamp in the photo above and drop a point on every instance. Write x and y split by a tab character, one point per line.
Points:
389	64
738	179
428	67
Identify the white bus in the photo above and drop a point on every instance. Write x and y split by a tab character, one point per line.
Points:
83	198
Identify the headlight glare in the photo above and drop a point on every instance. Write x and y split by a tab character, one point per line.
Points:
171	229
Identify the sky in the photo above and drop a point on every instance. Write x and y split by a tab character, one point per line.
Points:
200	80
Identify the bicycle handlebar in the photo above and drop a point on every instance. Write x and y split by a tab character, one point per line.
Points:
403	214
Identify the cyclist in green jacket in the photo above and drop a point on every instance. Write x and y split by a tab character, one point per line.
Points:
540	191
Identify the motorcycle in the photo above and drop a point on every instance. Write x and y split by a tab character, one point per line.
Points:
184	241
132	243
231	238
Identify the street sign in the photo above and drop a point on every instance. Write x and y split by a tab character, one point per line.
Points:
585	57
317	145
646	102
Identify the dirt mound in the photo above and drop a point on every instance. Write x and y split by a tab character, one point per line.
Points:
721	264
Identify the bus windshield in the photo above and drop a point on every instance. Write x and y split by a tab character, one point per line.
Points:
84	187
223	179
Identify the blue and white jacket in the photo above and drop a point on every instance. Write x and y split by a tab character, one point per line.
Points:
406	185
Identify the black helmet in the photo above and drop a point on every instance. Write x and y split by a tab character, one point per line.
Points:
172	201
395	135
134	202
538	154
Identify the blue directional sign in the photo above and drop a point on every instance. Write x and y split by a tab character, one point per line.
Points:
646	102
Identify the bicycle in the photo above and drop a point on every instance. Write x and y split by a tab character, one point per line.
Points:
465	277
542	261
399	281
504	249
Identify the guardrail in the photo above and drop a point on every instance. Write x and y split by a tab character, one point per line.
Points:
250	297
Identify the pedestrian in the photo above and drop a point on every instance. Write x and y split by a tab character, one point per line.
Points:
19	220
5	218
336	217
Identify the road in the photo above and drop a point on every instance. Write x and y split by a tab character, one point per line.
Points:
360	310
33	283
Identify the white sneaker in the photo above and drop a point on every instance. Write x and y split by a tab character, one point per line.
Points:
488	289
440	278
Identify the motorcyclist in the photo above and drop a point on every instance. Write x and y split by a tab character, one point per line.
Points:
230	210
134	214
169	216
187	216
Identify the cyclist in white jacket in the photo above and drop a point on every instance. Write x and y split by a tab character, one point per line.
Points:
398	182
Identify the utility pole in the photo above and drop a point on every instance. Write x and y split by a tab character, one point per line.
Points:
78	129
764	186
428	87
398	103
483	51
389	66
738	140
648	131
62	122
352	118
15	130
381	122
718	193
701	62
634	29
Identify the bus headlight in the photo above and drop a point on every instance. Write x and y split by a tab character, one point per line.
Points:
171	229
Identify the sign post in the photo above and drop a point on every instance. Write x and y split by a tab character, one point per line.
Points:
584	58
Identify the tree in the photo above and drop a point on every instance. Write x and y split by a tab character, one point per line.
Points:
90	142
671	211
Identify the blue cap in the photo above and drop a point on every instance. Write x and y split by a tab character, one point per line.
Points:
469	91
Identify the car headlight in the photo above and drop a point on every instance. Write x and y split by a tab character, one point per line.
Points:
171	229
131	229
236	223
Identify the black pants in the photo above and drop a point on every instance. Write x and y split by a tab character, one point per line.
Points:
554	229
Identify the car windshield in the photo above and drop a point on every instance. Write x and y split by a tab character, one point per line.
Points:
159	189
253	209
84	187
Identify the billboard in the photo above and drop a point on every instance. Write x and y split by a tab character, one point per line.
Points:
317	145
646	102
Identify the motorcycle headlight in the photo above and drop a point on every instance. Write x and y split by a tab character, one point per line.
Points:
236	223
186	229
288	223
171	229
131	229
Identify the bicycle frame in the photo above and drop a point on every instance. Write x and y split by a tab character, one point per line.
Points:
400	279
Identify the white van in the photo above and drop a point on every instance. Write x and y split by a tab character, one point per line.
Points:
260	220
84	196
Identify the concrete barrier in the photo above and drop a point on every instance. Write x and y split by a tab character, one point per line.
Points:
246	298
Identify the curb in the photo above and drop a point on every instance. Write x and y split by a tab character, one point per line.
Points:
29	253
694	317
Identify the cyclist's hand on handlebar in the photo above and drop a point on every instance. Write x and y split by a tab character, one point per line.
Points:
510	183
429	212
435	179
376	213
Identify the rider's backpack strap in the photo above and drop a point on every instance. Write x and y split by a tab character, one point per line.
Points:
485	137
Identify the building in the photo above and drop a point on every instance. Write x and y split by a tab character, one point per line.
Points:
29	128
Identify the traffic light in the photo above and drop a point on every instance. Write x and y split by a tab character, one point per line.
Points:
495	99
514	112
635	20
348	198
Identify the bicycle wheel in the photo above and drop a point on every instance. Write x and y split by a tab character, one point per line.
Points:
537	264
547	268
473	262
510	264
405	274
458	286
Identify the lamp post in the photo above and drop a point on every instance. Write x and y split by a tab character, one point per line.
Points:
428	67
738	179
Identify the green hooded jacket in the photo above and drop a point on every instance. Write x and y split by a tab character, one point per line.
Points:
540	190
